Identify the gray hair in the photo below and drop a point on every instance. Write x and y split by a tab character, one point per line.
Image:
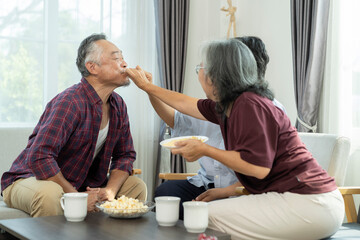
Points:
89	51
231	67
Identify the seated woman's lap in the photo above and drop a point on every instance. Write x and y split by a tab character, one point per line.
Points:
278	216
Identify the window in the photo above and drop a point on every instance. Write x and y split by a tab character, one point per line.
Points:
21	61
349	72
341	98
39	41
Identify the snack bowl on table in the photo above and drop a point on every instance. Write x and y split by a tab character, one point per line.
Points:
110	208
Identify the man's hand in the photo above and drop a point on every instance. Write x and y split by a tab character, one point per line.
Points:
218	193
65	184
140	77
190	149
98	195
212	194
92	199
104	194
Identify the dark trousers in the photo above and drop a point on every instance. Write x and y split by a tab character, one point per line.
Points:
179	188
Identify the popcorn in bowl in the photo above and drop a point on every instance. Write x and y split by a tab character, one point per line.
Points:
125	207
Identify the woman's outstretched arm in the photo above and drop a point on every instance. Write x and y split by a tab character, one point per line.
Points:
179	101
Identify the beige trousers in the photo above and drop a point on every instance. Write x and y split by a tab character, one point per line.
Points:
42	198
278	215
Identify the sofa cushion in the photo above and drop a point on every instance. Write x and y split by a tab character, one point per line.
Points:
12	142
8	213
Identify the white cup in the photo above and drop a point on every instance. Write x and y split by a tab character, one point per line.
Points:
74	206
167	210
196	216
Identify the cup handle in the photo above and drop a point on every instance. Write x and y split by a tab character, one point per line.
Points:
62	203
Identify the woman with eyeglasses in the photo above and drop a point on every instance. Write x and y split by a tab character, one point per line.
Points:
292	197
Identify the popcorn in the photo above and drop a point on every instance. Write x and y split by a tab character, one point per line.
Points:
124	207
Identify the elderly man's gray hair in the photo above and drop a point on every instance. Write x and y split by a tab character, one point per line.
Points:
89	51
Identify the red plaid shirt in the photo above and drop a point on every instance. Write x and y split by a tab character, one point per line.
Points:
65	137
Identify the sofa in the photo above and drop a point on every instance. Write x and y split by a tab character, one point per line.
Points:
12	142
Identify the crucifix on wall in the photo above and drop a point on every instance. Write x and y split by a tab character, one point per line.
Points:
231	12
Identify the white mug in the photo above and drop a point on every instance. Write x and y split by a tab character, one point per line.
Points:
196	216
74	206
167	210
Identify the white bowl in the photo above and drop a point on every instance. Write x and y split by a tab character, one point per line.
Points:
127	213
169	143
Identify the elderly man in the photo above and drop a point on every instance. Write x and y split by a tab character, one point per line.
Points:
82	135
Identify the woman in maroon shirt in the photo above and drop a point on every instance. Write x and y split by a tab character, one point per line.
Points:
293	197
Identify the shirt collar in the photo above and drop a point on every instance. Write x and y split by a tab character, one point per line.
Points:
92	94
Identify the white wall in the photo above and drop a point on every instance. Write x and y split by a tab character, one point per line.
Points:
267	19
204	25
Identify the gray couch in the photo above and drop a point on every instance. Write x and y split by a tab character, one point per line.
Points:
12	142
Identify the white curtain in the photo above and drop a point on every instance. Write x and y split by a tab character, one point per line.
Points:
39	41
138	46
340	111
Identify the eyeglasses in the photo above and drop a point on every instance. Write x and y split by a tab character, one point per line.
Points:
197	68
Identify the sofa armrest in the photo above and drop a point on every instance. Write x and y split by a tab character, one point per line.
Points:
176	176
350	210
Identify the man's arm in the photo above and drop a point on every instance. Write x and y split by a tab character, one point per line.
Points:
67	188
165	112
181	102
218	193
52	133
116	180
59	179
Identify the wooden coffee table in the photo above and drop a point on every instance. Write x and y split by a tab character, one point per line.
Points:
99	226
